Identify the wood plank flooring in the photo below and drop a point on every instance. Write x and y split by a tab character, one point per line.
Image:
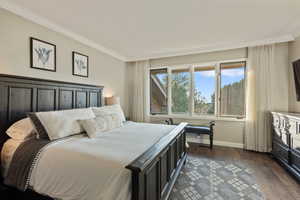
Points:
274	181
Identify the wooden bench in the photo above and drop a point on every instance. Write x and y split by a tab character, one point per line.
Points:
199	129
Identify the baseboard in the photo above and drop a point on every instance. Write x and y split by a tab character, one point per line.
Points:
217	142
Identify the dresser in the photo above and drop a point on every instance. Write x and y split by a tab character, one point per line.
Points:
286	140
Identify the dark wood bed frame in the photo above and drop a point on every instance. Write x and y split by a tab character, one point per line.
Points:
153	173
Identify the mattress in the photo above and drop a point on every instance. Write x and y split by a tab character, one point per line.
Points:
93	169
8	150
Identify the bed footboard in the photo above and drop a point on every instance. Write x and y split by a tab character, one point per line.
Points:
155	171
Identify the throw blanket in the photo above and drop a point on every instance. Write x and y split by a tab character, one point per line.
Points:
22	163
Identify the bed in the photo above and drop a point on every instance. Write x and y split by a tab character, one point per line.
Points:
138	167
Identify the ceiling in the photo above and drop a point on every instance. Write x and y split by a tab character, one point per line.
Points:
141	29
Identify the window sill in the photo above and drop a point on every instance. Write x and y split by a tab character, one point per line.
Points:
230	119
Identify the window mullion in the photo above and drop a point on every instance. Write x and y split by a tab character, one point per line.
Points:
192	90
217	90
169	91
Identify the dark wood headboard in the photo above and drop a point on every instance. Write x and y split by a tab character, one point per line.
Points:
20	95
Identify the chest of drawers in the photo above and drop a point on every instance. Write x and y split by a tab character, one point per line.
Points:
286	140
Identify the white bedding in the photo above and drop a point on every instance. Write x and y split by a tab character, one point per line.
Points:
94	169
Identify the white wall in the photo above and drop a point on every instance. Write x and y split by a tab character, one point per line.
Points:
280	78
294	54
14	56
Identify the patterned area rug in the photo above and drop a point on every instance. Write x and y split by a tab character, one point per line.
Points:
208	179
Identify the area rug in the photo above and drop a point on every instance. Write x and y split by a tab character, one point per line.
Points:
207	179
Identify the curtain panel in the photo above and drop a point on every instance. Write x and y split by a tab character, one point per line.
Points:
258	101
140	97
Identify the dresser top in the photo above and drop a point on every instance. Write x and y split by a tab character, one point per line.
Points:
287	114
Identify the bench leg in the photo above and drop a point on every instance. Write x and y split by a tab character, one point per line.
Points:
211	138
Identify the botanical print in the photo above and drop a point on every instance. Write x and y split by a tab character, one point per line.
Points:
42	55
80	64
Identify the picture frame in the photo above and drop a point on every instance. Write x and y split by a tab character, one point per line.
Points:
42	55
80	64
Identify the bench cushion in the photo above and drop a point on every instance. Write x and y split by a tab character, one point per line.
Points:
198	129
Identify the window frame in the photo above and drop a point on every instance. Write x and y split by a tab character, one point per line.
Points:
190	114
150	90
178	67
219	91
216	83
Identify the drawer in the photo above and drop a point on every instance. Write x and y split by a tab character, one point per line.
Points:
282	122
295	160
277	132
276	121
283	139
280	151
295	143
292	124
277	136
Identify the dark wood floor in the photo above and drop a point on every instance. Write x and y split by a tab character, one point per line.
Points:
275	182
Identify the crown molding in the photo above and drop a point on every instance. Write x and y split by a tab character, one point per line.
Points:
213	48
5	4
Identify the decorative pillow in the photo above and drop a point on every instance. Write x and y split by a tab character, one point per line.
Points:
58	124
96	126
113	109
92	127
111	121
21	130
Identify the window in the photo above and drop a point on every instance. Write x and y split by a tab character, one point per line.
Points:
159	91
180	90
204	90
215	89
232	94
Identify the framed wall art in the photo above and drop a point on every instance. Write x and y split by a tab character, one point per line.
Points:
80	64
42	55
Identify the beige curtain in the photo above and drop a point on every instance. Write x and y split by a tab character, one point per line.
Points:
139	98
259	98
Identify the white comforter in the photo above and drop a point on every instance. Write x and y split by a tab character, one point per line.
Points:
94	169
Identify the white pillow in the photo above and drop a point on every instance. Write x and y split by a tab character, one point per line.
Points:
21	130
110	121
58	124
97	126
92	127
113	109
